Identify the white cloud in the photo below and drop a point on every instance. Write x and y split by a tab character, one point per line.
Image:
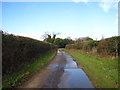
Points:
77	1
106	5
85	1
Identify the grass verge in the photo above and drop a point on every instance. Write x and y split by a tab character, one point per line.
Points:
103	73
14	79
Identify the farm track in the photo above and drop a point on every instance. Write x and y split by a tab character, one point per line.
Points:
61	72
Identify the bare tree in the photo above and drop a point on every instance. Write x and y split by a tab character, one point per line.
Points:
50	37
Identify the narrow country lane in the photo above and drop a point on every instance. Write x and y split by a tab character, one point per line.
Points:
61	72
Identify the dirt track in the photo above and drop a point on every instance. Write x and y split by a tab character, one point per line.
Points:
61	72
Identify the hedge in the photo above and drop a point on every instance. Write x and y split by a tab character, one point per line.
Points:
108	46
17	51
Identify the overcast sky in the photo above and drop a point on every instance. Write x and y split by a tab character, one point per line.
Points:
74	19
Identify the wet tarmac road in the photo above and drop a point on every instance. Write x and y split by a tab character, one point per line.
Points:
61	72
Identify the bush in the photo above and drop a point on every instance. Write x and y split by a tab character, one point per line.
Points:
17	51
84	45
109	46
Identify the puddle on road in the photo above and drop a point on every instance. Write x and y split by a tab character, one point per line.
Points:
59	54
53	65
74	78
70	62
56	65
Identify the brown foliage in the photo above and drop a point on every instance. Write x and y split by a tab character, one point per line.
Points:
104	47
109	46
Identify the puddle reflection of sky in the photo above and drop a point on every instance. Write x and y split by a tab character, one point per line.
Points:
75	78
